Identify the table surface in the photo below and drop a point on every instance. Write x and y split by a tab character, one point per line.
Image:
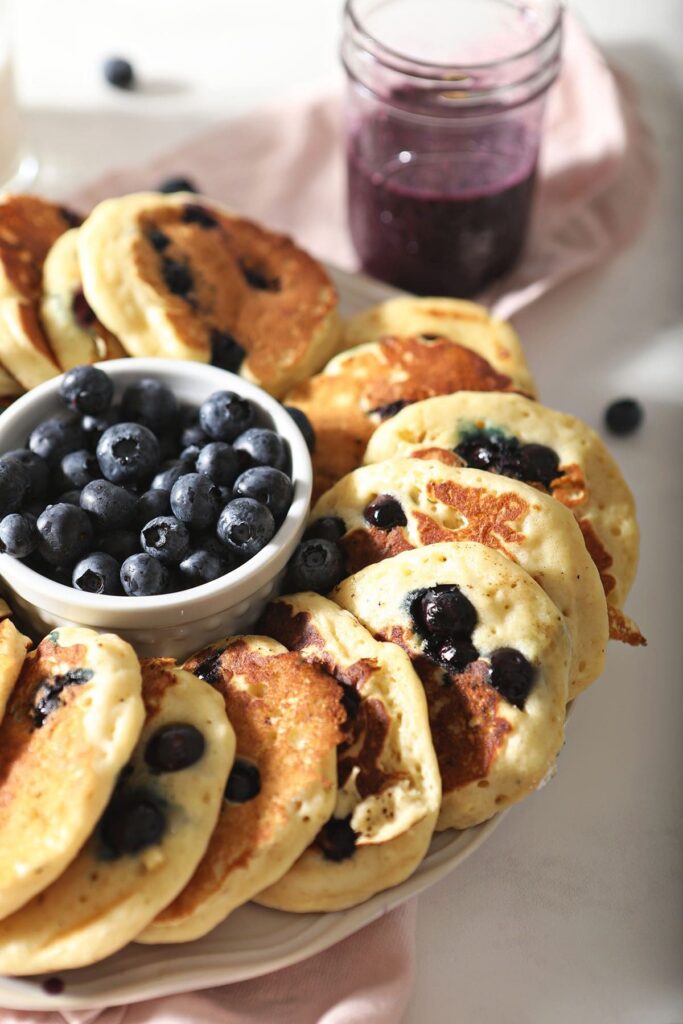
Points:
572	911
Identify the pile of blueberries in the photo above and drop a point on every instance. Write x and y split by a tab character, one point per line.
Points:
145	497
445	619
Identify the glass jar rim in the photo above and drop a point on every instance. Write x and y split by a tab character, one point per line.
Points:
392	58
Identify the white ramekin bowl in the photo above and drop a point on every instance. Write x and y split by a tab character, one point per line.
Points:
174	624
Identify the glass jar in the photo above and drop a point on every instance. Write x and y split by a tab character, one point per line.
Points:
444	111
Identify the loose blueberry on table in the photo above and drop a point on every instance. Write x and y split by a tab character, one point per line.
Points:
147	497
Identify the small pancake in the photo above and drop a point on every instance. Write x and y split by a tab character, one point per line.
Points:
467	323
70	724
389	787
590	482
442	503
177	276
364	386
147	843
287	717
491	751
28	228
76	336
13	648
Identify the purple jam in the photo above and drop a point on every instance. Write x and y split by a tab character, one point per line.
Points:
436	221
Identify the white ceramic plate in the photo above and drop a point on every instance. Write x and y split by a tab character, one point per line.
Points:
254	940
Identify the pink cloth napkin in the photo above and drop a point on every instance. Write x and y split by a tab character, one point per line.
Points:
286	168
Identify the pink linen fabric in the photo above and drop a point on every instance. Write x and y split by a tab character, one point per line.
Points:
285	166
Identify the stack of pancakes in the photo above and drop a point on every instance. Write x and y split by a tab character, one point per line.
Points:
489	543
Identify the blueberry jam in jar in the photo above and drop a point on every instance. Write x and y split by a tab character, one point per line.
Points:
444	111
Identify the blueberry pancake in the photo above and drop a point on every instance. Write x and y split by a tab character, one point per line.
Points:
147	843
492	652
389	787
401	504
364	386
75	334
287	717
510	435
13	648
173	275
28	228
467	323
70	725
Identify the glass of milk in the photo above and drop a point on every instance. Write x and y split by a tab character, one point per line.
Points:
17	167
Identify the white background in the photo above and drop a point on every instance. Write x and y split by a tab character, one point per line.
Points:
573	910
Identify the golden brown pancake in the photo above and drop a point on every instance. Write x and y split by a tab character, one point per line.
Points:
365	386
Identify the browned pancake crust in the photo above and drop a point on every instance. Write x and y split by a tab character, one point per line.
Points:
270	701
340	405
28	227
253	284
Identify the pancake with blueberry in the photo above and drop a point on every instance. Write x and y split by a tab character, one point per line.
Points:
389	788
466	323
148	841
75	334
13	648
287	717
492	651
401	504
176	276
28	228
70	724
363	387
553	451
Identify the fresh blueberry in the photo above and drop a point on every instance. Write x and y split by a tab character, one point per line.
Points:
195	500
330	528
539	464
304	424
87	390
168	445
110	507
171	471
80	468
315	565
18	535
128	453
174	747
219	462
225	415
624	416
264	447
453	655
72	497
203	567
189	455
512	675
336	839
385	513
177	183
143	576
154	502
444	610
226	352
97	573
54	438
177	277
151	403
244	782
209	542
119	73
95	426
269	486
132	821
37	472
193	435
14	483
245	526
64	534
120	544
166	539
